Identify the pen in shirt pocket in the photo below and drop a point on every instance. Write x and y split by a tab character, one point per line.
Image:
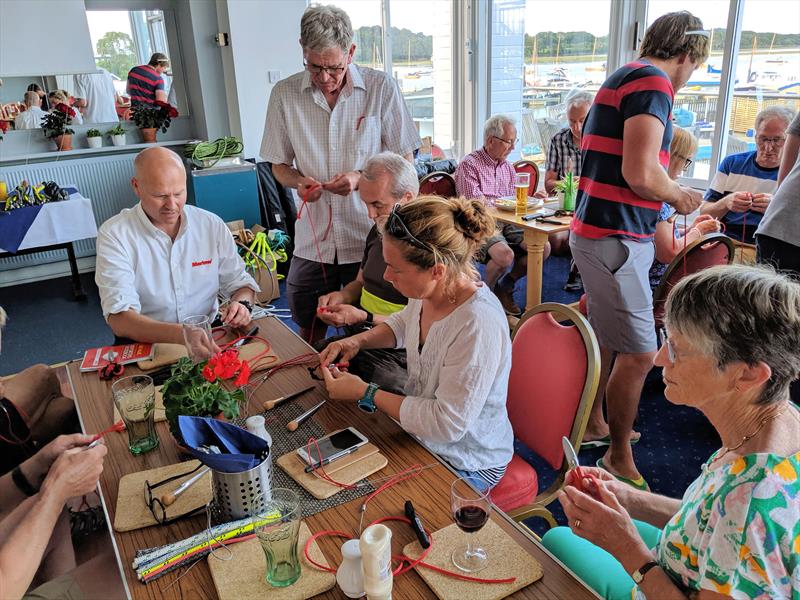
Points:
359	121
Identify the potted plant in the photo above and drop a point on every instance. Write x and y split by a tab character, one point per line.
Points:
117	134
197	390
568	190
94	138
55	125
149	118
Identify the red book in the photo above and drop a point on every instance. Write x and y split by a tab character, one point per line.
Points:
97	358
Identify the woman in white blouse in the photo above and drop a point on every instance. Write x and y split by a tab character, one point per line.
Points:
455	334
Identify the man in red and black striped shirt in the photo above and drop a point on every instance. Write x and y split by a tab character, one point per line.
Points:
623	182
145	84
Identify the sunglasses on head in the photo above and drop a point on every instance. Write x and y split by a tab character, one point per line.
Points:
397	228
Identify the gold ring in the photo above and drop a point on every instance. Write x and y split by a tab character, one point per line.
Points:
577	523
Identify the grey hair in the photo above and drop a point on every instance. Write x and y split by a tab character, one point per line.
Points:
742	314
494	126
30	98
579	98
784	113
324	27
404	177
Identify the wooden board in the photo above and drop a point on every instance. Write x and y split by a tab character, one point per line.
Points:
132	511
507	559
243	575
167	354
161	415
348	470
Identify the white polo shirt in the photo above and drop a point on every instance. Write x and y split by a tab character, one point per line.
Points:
140	268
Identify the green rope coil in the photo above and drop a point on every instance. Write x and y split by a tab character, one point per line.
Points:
219	148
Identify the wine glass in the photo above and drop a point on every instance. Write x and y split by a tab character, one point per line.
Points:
470	503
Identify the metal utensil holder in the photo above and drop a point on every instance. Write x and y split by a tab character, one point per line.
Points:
240	495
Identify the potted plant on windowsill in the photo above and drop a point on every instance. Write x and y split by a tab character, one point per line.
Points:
55	125
94	138
149	118
197	390
117	135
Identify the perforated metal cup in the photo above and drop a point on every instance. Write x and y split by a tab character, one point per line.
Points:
240	495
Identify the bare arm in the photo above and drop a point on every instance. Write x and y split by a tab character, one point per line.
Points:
790	152
409	157
550	180
289	177
130	324
161	96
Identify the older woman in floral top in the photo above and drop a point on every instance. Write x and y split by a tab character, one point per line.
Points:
731	348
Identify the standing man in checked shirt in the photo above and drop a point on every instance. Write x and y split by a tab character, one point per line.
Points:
322	125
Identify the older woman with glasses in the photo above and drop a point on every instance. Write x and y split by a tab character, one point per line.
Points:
731	347
455	334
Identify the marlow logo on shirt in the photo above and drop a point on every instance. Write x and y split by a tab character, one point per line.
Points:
200	263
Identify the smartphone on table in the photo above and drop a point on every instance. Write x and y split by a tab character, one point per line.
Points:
332	446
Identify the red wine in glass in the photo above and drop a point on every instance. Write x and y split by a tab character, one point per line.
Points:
471	518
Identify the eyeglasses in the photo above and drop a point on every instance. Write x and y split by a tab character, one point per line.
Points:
398	229
665	341
157	508
774	141
509	142
687	162
317	69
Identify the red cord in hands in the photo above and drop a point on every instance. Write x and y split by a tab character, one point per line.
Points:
118	426
579	482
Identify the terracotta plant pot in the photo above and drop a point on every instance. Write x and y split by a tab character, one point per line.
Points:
63	142
148	134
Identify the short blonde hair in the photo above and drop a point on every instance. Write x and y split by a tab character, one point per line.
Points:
683	143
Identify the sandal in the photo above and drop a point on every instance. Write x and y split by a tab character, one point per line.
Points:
639	484
606	441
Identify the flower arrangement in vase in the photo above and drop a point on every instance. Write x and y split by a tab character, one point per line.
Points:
55	125
149	118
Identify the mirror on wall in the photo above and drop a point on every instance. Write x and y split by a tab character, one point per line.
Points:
122	40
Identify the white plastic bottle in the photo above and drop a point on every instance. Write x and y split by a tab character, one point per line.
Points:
349	575
376	561
256	426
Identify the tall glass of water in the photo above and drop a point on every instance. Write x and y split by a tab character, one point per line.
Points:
135	399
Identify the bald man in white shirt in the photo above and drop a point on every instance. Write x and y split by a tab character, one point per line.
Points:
162	261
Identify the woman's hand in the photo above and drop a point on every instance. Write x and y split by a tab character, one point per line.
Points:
341	315
706	224
344	387
343	350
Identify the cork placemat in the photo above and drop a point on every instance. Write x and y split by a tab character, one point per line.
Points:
132	510
167	354
506	559
348	470
243	575
161	415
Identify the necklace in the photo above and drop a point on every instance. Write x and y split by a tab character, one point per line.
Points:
749	436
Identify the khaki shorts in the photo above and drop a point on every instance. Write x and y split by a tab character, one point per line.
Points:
60	588
510	234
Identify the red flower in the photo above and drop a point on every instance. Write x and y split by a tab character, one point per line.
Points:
244	375
3	126
167	108
208	374
63	108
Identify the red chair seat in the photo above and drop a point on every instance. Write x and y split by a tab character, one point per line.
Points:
518	487
582	308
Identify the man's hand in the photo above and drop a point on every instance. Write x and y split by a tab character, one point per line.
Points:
343	184
688	202
236	315
760	202
44	459
309	189
340	315
330	299
74	473
706	224
739	202
344	387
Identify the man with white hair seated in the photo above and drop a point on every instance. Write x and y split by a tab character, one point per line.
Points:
486	173
744	184
163	261
564	154
31	117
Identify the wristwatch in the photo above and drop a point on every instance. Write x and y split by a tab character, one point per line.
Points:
247	305
638	574
367	402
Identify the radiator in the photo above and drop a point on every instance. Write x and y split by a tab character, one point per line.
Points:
105	180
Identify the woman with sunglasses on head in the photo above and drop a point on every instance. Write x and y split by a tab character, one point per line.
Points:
455	334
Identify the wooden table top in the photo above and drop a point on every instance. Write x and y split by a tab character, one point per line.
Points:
430	491
509	217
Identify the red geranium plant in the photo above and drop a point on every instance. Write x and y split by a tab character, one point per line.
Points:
158	115
57	121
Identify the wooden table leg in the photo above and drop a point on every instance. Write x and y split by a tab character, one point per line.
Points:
535	241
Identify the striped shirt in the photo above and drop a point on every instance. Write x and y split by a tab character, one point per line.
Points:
562	150
369	117
741	173
606	205
143	83
478	175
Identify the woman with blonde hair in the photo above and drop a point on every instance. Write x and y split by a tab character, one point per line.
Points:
62	97
455	334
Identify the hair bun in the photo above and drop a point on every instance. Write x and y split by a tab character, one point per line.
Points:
472	220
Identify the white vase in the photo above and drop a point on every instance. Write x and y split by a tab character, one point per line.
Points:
118	140
94	142
349	576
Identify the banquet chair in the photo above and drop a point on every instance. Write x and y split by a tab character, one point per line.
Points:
528	166
436	152
555	370
438	183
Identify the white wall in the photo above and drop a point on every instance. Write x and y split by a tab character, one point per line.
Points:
263	37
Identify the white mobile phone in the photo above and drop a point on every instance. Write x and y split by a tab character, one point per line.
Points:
333	446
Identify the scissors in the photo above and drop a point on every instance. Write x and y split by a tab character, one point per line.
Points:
579	480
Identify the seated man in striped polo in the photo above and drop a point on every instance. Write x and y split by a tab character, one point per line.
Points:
145	84
744	183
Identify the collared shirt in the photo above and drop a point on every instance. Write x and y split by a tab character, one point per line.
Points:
143	83
369	117
481	176
562	150
101	97
140	268
30	119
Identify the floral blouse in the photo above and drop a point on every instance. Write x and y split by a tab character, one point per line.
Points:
737	532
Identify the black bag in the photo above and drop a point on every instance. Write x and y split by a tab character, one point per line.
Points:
16	445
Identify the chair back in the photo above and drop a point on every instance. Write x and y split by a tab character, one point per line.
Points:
437	152
438	183
530	167
710	250
555	369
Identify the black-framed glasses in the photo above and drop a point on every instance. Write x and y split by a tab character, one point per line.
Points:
156	506
665	341
397	228
509	142
687	162
317	69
